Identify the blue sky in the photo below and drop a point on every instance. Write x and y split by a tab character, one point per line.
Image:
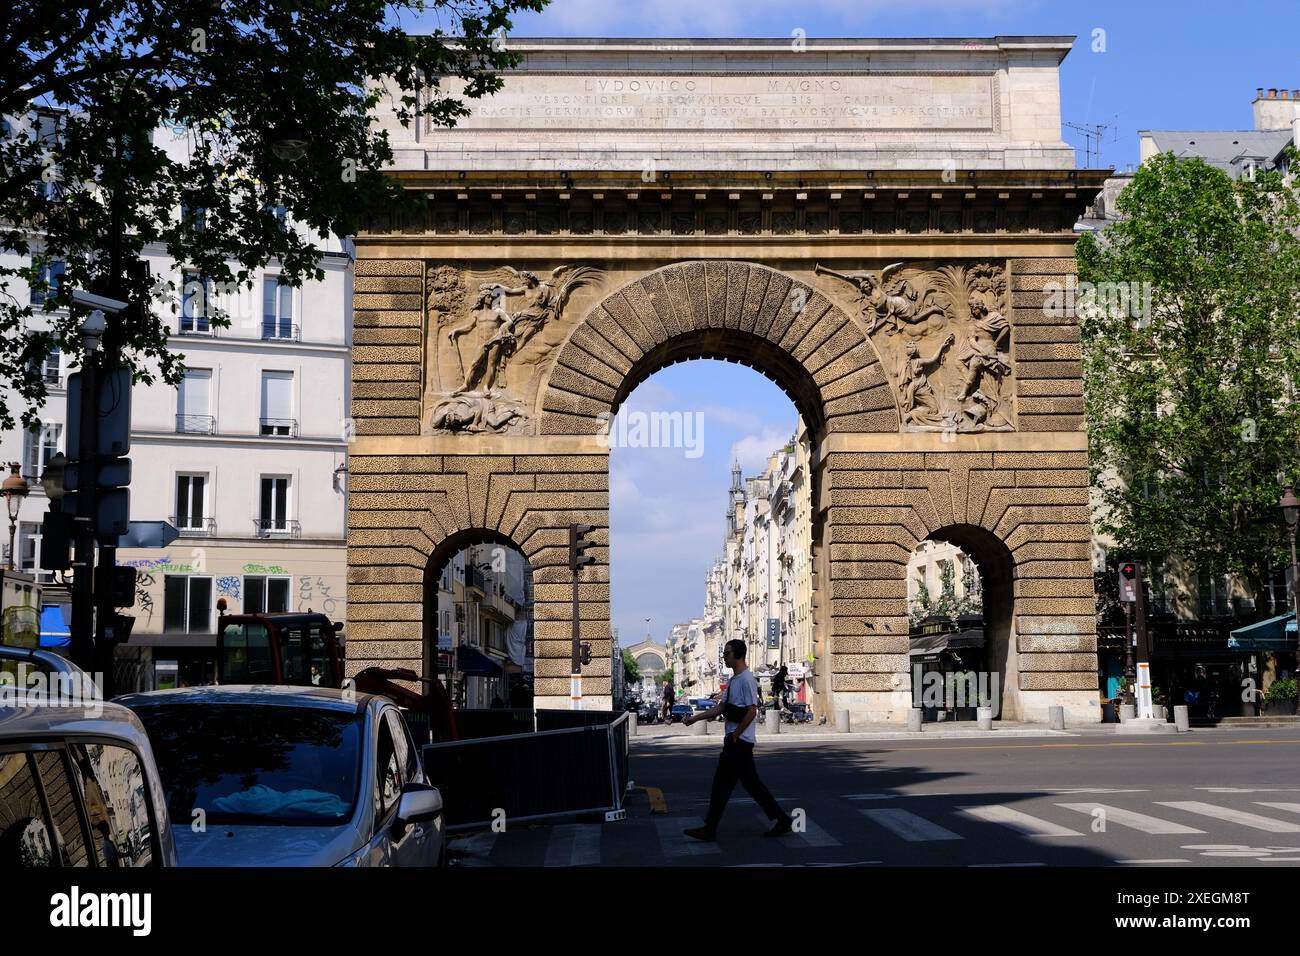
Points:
1190	65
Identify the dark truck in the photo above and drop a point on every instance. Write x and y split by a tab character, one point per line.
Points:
305	650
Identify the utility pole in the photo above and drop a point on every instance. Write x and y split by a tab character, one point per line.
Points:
1145	710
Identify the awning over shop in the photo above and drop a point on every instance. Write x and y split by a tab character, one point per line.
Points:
1275	634
931	645
475	664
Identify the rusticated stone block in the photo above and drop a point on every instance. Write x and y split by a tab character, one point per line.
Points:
1057	643
1057	662
1060	267
362	301
1056	606
892	645
384	612
1037	352
393	574
387	426
376	408
404	631
406	390
396	354
848	681
1058	680
388	318
1051	406
389	267
393	593
398	336
385	372
1055	587
1049	387
385	650
410	284
1049	369
893	588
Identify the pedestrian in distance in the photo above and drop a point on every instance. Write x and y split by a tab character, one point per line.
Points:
736	763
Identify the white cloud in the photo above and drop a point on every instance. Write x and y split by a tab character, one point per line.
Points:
752	451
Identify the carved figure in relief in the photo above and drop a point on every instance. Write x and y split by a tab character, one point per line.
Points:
513	306
946	336
920	404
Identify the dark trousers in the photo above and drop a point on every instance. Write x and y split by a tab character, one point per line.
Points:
737	764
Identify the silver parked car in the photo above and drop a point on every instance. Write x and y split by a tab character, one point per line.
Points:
78	786
291	776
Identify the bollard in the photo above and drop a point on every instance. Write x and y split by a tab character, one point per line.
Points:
842	721
914	719
772	721
1181	721
631	724
700	728
1127	712
1056	717
984	715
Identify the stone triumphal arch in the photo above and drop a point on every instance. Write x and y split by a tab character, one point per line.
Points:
875	224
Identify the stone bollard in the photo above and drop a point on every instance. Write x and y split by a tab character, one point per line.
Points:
1056	717
914	719
631	723
700	728
1182	722
984	715
772	721
842	721
1127	712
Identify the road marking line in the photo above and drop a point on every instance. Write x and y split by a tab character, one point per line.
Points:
999	865
1240	817
573	844
656	797
813	835
1292	807
1130	818
909	826
1017	820
674	842
479	846
1160	862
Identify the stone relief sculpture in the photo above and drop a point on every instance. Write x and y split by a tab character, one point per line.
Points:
943	334
478	340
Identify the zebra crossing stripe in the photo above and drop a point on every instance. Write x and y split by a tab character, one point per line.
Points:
1017	820
812	836
1291	807
909	826
1131	819
573	844
477	848
1240	817
673	842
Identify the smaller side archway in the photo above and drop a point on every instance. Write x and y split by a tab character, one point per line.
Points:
478	620
978	580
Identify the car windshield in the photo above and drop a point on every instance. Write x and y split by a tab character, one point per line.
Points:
262	764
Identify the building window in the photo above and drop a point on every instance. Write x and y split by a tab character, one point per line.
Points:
47	285
39	446
277	404
274	516
187	604
191	501
265	595
1277	598
52	369
196	298
194	403
277	309
29	551
1215	594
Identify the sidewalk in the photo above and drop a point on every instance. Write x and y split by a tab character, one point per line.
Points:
676	734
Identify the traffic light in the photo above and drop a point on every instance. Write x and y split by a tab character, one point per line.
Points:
578	544
57	529
112	439
1127	582
586	653
120	583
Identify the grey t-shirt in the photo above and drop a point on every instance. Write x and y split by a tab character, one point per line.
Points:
743	692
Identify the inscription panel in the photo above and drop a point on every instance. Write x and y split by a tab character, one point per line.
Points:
724	103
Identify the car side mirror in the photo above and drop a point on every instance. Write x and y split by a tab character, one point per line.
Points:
419	802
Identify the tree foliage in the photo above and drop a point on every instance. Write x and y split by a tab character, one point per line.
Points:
631	672
89	92
1193	421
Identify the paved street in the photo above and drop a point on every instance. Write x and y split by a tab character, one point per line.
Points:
1225	798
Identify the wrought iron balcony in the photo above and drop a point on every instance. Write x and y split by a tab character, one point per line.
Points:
277	528
196	424
279	427
194	526
280	332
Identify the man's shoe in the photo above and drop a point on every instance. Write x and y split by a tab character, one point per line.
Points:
703	834
780	828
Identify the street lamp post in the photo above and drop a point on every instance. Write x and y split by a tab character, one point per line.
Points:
14	489
1290	506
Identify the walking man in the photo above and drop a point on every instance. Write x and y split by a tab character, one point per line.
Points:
739	707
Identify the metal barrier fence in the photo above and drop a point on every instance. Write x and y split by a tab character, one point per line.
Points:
531	776
473	724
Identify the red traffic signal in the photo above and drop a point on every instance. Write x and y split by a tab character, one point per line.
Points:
1128	582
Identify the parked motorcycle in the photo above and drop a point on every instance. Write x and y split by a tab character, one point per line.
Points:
796	714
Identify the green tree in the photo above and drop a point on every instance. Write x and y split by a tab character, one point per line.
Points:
631	672
274	100
1191	395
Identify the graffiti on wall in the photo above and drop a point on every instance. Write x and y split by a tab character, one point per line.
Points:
229	586
310	592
